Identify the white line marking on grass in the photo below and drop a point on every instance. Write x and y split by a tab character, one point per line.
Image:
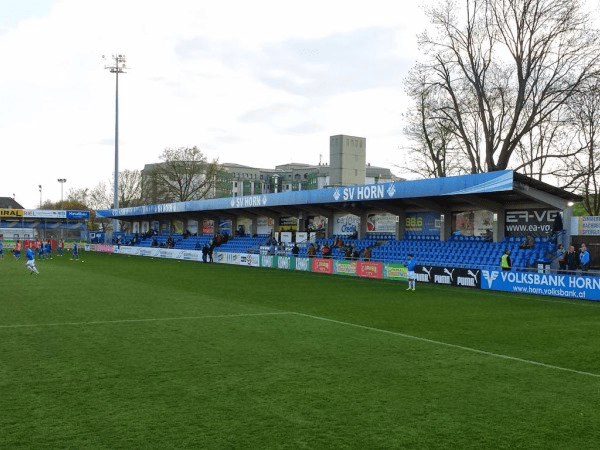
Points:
460	347
160	319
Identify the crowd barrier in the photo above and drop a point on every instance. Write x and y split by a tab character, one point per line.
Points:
575	286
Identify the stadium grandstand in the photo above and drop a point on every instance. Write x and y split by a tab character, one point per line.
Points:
18	223
462	221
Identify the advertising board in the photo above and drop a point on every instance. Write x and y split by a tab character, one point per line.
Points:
320	265
393	271
452	276
555	285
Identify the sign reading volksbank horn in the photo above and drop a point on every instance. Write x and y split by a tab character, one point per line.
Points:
556	285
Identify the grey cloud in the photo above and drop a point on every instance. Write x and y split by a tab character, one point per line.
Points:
341	62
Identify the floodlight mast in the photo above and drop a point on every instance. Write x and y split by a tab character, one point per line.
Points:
117	66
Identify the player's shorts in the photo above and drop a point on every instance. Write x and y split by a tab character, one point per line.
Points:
30	263
411	275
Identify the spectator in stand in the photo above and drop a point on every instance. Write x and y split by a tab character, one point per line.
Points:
571	260
338	243
505	261
584	258
367	254
170	242
326	251
557	226
558	261
295	249
348	252
529	242
489	236
311	252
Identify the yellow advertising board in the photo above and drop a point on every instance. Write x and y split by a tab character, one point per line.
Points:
11	213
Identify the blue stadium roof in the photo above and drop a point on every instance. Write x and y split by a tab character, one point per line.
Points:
492	187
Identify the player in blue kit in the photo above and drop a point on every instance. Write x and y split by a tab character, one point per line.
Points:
75	254
1	250
30	255
410	265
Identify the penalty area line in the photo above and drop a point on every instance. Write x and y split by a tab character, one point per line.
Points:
158	319
459	347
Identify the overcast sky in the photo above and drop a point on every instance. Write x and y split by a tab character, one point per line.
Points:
259	83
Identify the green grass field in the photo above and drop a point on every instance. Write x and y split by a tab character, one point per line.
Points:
130	353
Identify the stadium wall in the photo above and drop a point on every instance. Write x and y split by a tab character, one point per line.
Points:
536	283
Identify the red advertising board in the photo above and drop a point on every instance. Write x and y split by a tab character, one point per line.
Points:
320	265
369	269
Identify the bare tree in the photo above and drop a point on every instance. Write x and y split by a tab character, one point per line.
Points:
185	174
101	197
433	151
507	67
130	188
581	170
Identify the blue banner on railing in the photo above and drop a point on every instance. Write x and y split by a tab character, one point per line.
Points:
555	285
78	214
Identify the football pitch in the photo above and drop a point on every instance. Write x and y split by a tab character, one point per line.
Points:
121	352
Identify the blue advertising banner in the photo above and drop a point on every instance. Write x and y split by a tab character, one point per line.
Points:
78	214
555	285
448	186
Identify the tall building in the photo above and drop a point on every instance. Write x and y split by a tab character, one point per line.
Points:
347	166
347	160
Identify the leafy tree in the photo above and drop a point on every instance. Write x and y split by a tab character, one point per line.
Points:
185	174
